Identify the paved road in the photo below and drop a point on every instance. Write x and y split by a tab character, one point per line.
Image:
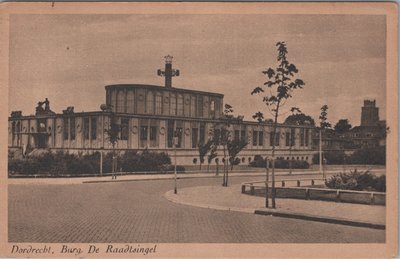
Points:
138	212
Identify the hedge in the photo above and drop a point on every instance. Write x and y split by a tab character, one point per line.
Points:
60	163
259	161
370	156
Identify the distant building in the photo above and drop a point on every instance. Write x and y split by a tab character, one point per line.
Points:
149	116
370	134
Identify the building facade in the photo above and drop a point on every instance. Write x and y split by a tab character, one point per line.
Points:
371	133
149	117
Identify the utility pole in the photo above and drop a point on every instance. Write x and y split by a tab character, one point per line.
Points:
175	143
321	169
266	182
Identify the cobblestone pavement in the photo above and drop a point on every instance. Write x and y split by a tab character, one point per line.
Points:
138	212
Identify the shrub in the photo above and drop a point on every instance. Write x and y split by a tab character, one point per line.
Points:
371	156
170	169
359	181
332	158
259	161
60	163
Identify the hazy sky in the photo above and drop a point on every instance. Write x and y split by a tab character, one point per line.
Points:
70	58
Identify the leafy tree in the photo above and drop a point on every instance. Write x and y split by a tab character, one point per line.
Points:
342	126
213	154
112	135
203	150
281	84
299	119
234	147
324	124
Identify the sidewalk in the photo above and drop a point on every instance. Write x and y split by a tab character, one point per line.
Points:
188	175
231	199
141	177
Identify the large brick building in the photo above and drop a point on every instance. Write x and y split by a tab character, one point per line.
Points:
148	116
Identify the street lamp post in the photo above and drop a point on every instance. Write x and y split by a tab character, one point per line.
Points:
101	162
266	182
320	155
175	178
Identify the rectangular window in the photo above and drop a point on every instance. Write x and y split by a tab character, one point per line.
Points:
195	136
153	132
271	137
243	135
124	128
86	128
277	137
143	132
179	132
120	101
200	106
287	138
130	101
255	136
158	104
212	108
72	129
293	136
173	105
93	128
180	105
170	133
307	137
66	128
261	138
237	134
202	133
193	106
301	137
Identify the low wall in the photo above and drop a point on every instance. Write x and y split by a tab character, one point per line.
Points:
305	193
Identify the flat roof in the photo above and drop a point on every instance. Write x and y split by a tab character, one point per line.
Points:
161	88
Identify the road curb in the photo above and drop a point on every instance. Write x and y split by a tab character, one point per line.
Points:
182	177
341	221
170	197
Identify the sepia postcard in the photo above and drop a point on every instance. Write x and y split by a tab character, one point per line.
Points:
199	130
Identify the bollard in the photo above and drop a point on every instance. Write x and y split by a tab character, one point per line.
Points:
312	182
372	198
337	196
252	190
298	183
283	183
243	188
307	194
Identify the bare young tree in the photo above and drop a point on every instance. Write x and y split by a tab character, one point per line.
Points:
221	137
323	124
281	84
112	135
203	149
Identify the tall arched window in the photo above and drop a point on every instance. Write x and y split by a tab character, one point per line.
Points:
193	106
120	101
173	105
113	100
158	103
180	105
130	102
150	103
